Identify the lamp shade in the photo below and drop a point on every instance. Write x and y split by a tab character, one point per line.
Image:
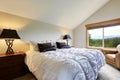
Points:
9	34
67	37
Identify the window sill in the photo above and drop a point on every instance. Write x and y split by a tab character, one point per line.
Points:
100	48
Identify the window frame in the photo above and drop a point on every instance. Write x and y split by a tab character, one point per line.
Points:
99	25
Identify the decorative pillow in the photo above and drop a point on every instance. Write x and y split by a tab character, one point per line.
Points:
33	46
52	48
118	48
45	47
61	45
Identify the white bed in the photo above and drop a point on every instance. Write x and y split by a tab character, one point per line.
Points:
65	64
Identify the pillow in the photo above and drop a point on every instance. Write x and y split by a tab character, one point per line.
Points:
118	48
45	47
33	46
52	48
61	45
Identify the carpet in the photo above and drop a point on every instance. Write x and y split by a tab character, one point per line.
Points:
109	72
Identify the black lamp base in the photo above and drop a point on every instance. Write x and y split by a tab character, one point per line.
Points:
9	43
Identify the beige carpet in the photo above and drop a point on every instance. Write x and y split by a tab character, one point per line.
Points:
107	72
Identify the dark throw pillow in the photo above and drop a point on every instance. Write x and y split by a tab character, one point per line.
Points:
50	49
62	45
45	47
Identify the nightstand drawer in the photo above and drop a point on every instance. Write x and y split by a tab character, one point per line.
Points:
12	66
11	61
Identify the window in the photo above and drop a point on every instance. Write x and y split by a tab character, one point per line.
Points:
111	36
104	34
95	40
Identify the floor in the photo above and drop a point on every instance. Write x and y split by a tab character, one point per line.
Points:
27	76
107	72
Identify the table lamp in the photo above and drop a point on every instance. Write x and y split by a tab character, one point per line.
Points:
67	37
9	35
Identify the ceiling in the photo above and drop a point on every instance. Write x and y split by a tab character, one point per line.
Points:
64	13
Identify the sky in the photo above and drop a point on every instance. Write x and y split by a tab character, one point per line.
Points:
108	32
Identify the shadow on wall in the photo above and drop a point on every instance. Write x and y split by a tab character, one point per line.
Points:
9	21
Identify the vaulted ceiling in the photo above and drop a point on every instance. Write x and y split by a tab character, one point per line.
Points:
65	13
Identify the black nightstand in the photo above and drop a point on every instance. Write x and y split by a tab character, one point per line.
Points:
12	66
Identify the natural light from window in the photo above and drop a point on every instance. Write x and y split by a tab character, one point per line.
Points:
108	37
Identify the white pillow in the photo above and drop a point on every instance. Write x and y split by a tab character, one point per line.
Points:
33	46
118	48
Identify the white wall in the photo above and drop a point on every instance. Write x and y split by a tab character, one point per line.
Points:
39	31
30	30
110	11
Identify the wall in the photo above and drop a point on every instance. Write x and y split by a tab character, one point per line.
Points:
29	30
110	11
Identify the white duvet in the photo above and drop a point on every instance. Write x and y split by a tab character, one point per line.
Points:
65	64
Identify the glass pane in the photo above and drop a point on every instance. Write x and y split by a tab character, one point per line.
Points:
95	37
111	36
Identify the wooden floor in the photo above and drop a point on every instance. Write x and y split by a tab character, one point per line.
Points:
107	72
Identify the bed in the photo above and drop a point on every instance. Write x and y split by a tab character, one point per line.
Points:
65	64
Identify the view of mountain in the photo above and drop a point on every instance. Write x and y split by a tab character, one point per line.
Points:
105	37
